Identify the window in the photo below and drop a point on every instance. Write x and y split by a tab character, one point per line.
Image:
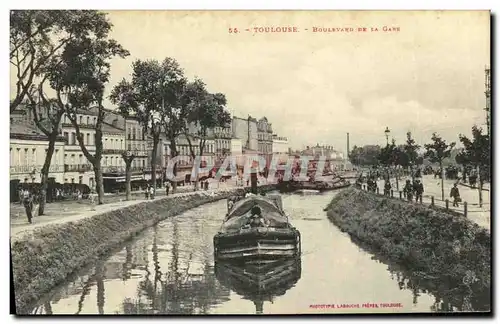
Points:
72	159
111	161
73	138
72	180
95	121
66	137
106	160
134	133
88	137
121	144
80	179
129	147
129	134
81	120
88	120
80	159
143	163
26	161
33	152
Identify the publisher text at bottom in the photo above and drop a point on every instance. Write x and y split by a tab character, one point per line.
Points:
354	306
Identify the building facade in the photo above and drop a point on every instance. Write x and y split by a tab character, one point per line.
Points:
28	147
246	131
280	145
265	136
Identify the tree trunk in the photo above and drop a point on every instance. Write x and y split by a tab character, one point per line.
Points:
99	182
480	186
45	174
48	308
100	288
196	175
128	176
442	180
156	140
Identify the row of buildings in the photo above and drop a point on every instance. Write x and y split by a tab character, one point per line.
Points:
28	147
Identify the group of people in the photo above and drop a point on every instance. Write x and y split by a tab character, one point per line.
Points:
413	189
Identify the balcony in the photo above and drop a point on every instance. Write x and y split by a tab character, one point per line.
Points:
77	167
113	151
34	169
139	153
81	125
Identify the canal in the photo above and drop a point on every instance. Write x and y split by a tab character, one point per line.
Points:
170	268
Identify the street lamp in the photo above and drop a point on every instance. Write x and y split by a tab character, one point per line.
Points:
387	132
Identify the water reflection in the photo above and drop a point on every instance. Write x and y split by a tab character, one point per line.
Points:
259	282
169	269
448	296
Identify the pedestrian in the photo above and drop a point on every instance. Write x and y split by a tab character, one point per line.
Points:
408	190
28	205
419	190
387	188
152	192
167	187
455	194
146	192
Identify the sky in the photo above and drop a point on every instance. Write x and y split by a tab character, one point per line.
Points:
316	86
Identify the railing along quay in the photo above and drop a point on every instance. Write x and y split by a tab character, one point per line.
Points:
401	195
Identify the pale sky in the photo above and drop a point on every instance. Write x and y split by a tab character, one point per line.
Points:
315	87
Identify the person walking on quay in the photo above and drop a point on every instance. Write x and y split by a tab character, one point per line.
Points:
408	190
28	205
455	194
387	188
152	192
419	190
146	192
167	187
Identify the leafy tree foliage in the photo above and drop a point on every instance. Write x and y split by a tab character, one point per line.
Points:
365	156
204	111
37	36
436	152
42	50
154	96
78	77
477	152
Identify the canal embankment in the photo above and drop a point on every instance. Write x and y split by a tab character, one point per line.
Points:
437	244
44	257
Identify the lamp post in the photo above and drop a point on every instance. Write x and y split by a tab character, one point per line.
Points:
387	132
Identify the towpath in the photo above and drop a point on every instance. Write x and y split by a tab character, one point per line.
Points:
432	188
69	211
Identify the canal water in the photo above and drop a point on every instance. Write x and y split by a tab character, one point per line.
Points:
170	269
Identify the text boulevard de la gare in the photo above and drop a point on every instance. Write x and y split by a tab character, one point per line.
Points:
313	29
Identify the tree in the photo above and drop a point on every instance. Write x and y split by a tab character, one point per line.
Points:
365	156
204	111
393	156
153	96
30	39
436	152
411	149
48	123
79	76
123	95
477	152
36	36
